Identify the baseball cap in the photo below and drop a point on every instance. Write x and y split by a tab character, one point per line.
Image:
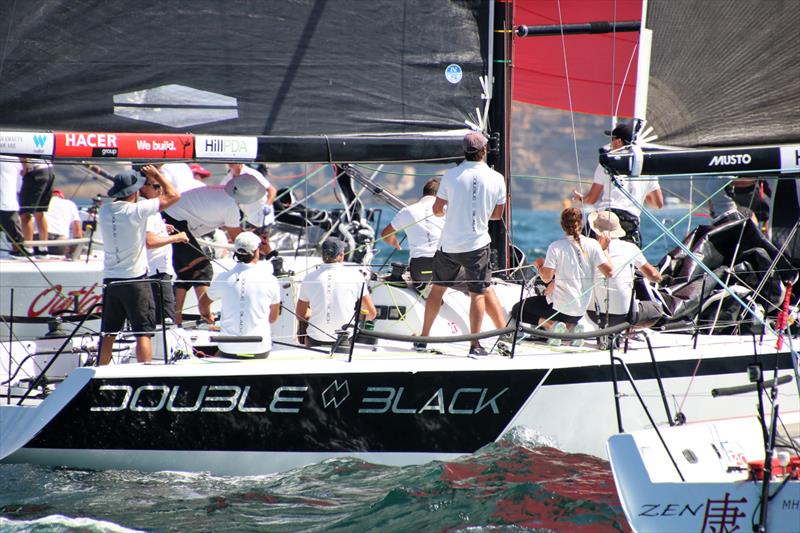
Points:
245	189
197	169
246	242
126	183
58	192
332	247
622	131
474	141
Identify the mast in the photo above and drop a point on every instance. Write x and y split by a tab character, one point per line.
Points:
500	122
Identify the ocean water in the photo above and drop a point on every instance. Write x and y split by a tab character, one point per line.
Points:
518	484
522	483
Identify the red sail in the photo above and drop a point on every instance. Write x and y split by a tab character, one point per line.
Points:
593	61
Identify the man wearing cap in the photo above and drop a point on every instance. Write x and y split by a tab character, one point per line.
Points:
63	222
199	173
423	231
607	196
251	300
127	295
474	194
611	296
328	297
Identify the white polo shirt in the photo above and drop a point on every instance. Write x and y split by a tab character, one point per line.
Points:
205	209
159	260
423	229
574	273
616	290
332	291
60	215
612	197
247	291
123	225
10	181
472	191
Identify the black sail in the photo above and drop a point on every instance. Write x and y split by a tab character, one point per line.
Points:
724	73
284	69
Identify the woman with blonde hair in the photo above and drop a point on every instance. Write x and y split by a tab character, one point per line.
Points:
569	269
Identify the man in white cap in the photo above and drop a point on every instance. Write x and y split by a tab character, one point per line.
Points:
473	194
127	293
251	300
608	196
611	296
328	297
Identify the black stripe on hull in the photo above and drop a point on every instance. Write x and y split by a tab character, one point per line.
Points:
668	369
433	412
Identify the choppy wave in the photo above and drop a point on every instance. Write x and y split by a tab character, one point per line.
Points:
520	483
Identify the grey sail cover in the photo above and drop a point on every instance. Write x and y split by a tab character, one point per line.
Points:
247	67
724	73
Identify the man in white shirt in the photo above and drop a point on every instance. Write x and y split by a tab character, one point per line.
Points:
201	211
612	296
251	301
10	181
607	196
259	214
328	297
127	294
474	194
159	241
63	222
423	230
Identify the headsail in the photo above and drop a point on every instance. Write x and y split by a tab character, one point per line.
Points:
314	76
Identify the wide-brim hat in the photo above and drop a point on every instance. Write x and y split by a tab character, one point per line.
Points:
126	183
606	222
245	189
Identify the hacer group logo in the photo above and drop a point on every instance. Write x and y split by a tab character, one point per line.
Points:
26	143
124	145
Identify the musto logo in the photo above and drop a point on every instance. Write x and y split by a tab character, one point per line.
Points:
55	299
730	159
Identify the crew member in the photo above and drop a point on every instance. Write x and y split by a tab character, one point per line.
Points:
328	297
423	230
251	300
607	196
473	194
127	294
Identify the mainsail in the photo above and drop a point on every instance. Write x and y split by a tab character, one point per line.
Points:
315	80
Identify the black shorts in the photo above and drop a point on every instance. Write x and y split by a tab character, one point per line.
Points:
446	267
131	300
36	190
162	288
421	270
537	307
196	275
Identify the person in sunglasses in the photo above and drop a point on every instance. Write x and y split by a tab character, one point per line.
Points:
160	237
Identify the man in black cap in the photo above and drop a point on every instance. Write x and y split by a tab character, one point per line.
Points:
473	194
123	224
328	297
607	196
